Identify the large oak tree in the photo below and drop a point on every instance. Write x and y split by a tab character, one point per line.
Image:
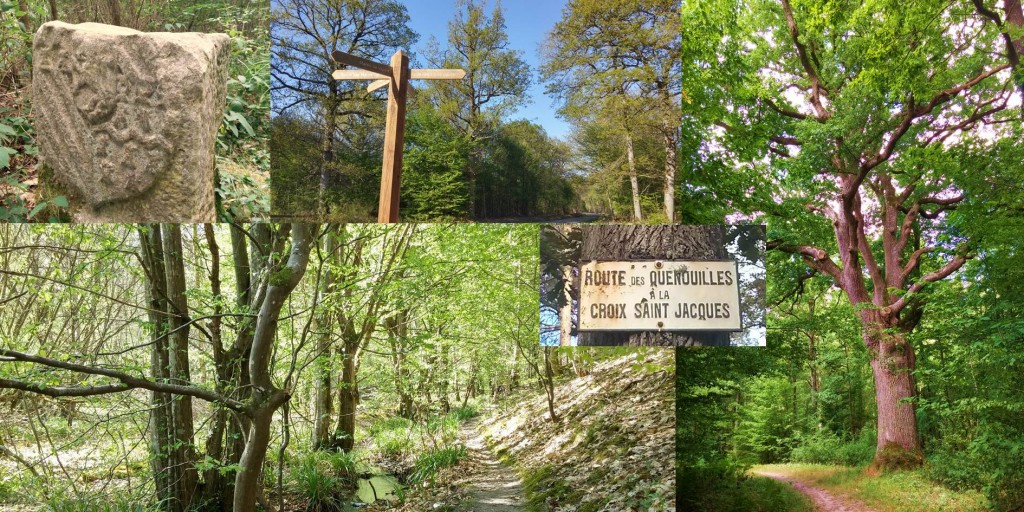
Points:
877	125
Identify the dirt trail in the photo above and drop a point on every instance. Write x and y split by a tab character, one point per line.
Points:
823	500
493	487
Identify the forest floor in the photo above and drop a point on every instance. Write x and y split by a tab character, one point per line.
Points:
823	500
612	446
853	489
611	450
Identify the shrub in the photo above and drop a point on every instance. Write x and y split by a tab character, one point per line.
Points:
392	423
828	448
321	477
990	463
433	460
464	413
393	443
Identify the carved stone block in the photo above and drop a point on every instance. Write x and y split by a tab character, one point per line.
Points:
128	120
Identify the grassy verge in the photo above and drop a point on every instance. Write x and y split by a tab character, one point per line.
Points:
890	492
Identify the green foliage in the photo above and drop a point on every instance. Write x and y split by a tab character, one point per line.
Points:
724	487
828	448
464	413
433	460
242	141
434	185
990	462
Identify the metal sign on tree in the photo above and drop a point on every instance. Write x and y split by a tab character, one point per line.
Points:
396	76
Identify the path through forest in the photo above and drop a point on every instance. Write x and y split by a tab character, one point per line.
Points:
494	486
823	500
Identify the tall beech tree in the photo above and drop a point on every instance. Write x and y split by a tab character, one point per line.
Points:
870	120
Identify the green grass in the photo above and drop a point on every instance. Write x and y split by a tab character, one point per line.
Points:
322	478
96	505
896	491
433	460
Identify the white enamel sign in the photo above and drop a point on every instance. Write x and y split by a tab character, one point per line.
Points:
659	296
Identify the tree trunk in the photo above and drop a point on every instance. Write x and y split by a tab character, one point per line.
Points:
671	155
327	147
115	11
24	18
184	454
348	399
324	367
565	313
266	398
160	414
629	242
893	363
634	185
213	481
549	383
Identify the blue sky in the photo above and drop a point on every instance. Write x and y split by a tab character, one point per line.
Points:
527	22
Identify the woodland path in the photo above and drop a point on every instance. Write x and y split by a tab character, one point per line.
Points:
823	500
493	487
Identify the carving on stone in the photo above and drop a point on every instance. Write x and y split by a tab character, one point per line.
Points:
128	120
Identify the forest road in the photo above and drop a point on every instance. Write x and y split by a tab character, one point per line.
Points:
493	486
581	219
824	501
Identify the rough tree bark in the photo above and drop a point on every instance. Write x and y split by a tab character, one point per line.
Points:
666	242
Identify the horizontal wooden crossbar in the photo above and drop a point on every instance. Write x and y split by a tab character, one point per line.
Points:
437	74
361	63
359	74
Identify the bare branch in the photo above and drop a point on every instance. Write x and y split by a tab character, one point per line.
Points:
128	381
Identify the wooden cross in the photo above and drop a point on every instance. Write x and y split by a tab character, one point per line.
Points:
396	76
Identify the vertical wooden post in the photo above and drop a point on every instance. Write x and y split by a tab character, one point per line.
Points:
394	139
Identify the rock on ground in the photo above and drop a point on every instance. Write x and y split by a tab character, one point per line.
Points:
128	120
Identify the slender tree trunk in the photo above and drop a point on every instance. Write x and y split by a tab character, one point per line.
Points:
327	147
186	477
160	414
549	384
671	138
634	184
324	367
348	399
631	242
24	18
213	482
565	312
115	11
267	398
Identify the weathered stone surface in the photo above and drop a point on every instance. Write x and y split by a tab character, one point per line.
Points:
128	120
